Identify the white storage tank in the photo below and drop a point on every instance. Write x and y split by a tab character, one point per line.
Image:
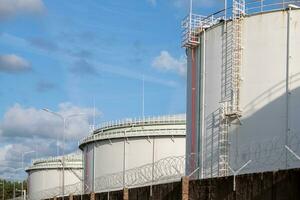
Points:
243	104
123	145
45	177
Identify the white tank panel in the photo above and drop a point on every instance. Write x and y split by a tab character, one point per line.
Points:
269	114
45	176
88	154
108	157
213	53
263	91
128	145
138	152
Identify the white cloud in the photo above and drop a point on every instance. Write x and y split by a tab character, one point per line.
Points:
10	8
4	150
12	63
20	121
11	159
166	62
28	128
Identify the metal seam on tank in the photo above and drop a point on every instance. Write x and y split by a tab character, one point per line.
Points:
193	106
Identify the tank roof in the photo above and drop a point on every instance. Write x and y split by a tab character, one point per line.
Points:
73	160
115	129
141	121
196	22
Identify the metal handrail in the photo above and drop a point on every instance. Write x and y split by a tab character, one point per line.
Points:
251	7
142	120
132	133
71	157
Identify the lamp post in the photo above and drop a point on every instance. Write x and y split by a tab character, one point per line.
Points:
64	119
15	170
14	192
23	155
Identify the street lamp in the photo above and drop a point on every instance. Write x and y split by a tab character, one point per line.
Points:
23	155
15	170
64	119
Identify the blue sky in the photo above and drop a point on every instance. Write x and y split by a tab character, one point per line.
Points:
66	55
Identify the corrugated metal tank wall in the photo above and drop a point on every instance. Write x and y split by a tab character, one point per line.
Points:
263	133
128	147
264	129
45	177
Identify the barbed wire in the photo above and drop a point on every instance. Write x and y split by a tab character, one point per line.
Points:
266	155
164	170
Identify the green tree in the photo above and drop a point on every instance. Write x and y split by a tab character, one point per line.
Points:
9	188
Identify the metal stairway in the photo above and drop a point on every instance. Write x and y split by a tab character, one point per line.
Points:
231	80
238	13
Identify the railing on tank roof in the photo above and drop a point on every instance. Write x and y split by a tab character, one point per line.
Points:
53	166
70	157
193	24
142	120
131	133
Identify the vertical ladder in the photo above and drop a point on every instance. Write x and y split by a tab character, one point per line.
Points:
231	81
223	142
238	12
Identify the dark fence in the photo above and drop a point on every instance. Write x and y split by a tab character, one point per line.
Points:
278	185
167	191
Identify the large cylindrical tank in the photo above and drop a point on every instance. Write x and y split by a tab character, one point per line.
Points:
124	145
265	134
45	177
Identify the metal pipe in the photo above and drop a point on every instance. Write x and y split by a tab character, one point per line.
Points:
93	179
212	145
287	87
193	96
203	101
153	157
143	99
83	177
225	10
63	160
124	158
292	152
191	13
